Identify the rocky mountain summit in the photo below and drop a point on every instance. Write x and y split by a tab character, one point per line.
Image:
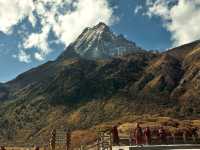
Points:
100	43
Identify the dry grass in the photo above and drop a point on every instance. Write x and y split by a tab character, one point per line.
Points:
196	123
82	137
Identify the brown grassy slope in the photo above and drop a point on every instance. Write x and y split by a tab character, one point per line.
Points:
82	94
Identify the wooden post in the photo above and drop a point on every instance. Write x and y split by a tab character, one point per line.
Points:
98	140
130	138
184	137
104	140
53	140
194	139
68	140
174	138
110	142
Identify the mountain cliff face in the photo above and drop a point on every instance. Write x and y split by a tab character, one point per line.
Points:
99	78
99	43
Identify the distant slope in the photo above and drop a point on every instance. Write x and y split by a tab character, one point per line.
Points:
3	92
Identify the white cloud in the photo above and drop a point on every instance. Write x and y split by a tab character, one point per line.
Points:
39	56
32	20
180	18
39	41
137	9
65	18
87	13
12	12
22	56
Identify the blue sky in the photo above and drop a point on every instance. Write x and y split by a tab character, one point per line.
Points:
34	32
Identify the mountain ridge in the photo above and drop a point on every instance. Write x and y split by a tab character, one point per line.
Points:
81	92
99	43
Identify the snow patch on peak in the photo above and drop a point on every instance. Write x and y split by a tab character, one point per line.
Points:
99	43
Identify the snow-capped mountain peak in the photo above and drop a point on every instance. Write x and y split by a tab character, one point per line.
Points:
100	43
